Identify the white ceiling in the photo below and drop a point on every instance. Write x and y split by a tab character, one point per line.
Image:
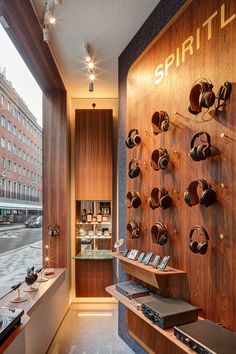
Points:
107	26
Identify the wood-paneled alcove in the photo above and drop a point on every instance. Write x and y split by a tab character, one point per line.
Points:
211	54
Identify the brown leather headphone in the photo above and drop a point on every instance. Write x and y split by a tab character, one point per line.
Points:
133	199
133	227
160	122
159	233
160	159
192	197
201	96
159	198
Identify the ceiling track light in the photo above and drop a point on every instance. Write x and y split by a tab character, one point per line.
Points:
90	64
49	18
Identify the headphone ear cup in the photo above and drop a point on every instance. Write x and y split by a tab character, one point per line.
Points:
162	239
163	162
130	173
135	233
194	246
187	198
199	152
151	205
208	198
194	111
193	154
207	99
135	172
129	143
202	247
165	202
136	140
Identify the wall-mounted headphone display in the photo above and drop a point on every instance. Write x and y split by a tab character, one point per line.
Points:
198	247
201	96
134	169
193	197
160	122
160	159
203	151
133	139
53	230
133	199
159	198
159	233
133	228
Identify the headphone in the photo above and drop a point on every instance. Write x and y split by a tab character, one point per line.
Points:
201	96
201	152
198	247
133	139
207	197
159	233
160	122
134	171
53	230
31	276
133	199
160	159
159	198
223	94
134	228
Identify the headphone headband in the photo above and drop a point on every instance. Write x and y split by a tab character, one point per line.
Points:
132	131
133	161
197	135
199	228
55	226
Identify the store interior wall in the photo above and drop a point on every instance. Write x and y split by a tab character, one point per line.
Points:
159	18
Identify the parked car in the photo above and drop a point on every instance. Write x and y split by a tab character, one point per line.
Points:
34	221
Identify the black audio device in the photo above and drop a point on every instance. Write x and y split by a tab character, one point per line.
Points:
206	337
9	319
167	312
131	290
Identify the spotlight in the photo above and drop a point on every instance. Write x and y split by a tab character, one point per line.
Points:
52	20
90	65
91	77
87	59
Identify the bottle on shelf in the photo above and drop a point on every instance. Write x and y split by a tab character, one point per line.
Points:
84	216
89	216
94	218
99	216
105	215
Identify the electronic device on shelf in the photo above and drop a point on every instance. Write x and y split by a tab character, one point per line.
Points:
10	318
133	254
147	258
131	290
155	262
138	301
164	263
168	312
207	337
125	253
141	256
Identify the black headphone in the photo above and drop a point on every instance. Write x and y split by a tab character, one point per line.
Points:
135	170
201	152
159	233
159	198
31	276
160	122
207	197
133	227
160	159
133	199
201	96
133	139
53	230
223	94
198	247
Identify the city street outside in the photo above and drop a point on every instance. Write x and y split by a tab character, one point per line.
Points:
20	248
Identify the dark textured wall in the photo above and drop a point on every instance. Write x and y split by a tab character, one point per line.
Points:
158	19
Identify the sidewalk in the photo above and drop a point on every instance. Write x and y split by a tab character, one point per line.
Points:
8	227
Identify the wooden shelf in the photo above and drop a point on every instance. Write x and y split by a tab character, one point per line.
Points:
167	333
94	223
170	279
94	237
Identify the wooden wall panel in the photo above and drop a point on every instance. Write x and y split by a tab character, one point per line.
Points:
211	278
55	179
93	154
92	277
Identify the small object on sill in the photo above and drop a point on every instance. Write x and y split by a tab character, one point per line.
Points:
49	271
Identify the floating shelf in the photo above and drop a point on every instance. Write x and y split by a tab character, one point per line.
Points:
94	223
167	333
169	282
87	237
